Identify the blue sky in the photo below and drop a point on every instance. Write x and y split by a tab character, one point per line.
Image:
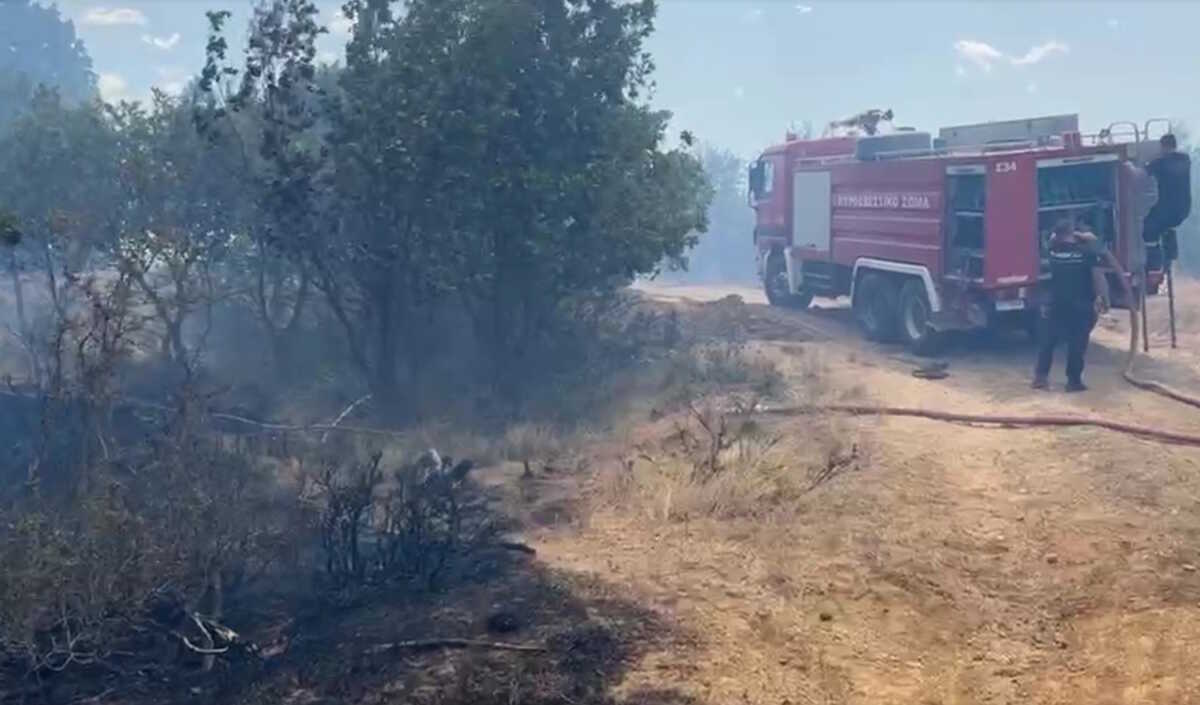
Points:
737	73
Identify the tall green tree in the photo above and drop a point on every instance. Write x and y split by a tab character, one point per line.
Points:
272	116
501	152
39	47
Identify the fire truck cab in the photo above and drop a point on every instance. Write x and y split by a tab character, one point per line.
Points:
928	235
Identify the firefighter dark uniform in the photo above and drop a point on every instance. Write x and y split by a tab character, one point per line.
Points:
1173	173
1071	313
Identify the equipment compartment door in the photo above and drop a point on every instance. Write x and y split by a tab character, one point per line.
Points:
811	207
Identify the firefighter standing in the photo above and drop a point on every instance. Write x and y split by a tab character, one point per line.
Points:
1076	301
1172	170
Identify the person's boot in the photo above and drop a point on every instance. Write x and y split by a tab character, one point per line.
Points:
1170	246
1154	256
1076	385
1040	383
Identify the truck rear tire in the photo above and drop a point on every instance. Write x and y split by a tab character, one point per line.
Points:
914	317
778	288
875	307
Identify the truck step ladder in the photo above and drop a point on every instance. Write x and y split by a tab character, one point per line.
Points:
1141	140
1171	301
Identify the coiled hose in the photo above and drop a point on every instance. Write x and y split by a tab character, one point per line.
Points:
1146	384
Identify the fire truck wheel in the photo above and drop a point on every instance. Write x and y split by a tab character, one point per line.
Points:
915	314
875	307
775	284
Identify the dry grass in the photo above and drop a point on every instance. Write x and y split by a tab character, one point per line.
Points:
762	473
710	458
725	366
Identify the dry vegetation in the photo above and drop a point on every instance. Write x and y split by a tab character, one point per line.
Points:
667	546
159	543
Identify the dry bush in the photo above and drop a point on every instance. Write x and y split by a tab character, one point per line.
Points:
706	368
168	545
595	359
133	524
526	442
146	554
537	443
725	466
720	461
541	447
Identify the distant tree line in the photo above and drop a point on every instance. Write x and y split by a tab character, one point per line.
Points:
725	253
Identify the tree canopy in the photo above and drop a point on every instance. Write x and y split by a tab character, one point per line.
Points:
39	47
475	170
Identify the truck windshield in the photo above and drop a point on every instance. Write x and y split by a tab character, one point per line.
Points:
762	180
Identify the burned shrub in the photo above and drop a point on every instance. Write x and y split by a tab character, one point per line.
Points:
406	525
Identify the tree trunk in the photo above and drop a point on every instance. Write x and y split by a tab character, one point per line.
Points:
272	307
22	321
179	351
386	383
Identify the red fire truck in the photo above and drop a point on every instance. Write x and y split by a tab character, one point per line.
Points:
928	235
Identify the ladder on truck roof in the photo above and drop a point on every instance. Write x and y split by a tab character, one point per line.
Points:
1007	131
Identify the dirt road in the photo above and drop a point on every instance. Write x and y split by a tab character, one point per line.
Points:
957	565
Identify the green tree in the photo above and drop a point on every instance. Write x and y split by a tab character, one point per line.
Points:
501	152
56	178
40	48
176	215
273	120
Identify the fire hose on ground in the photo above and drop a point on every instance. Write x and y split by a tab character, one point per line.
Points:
1033	420
1146	384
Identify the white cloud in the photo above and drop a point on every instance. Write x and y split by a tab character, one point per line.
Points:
1113	22
111	17
804	9
113	87
981	54
340	24
164	43
985	56
172	79
328	57
1041	51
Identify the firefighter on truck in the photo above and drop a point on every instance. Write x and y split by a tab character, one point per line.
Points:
1172	170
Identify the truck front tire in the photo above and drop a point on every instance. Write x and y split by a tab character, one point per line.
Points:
875	307
914	318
